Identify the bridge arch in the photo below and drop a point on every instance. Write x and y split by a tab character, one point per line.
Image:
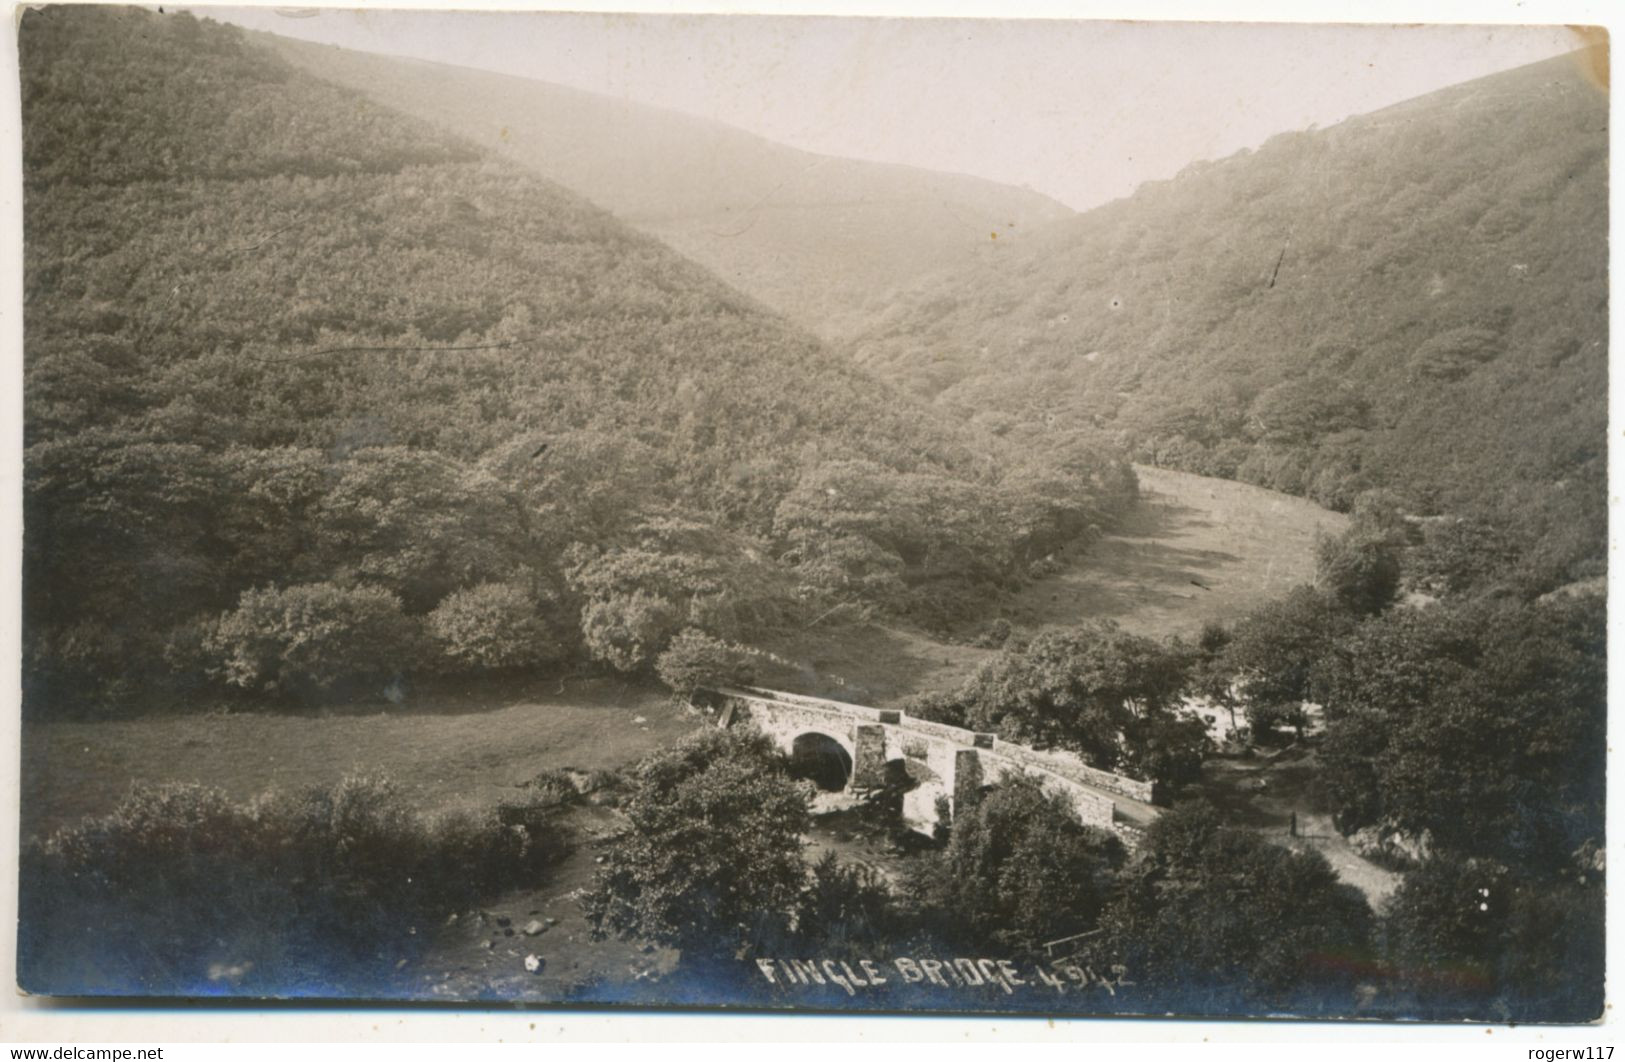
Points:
822	759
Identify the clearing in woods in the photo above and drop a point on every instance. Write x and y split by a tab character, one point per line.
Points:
446	750
1194	550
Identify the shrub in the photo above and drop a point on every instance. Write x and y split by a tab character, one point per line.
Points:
696	659
628	631
1454	354
711	862
937	707
313	639
997	633
1470	937
315	886
1213	919
1019	870
491	626
84	666
540	797
846	910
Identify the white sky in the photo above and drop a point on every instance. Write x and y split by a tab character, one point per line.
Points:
1082	111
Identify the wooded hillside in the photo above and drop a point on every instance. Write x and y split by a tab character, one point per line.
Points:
301	368
1413	300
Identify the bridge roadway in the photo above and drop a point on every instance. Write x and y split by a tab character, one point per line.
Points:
944	766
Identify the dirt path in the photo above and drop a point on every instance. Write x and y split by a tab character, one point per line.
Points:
480	954
1263	793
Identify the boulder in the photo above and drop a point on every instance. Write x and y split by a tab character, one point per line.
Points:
1388	844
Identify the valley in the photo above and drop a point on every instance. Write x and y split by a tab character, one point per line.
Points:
412	453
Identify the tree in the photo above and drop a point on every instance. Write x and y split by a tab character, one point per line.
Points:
711	861
1305	407
1019	870
1274	652
629	631
1360	568
1471	938
1096	689
1211	675
1167	747
673	573
1376	678
1461	556
492	626
696	659
416	522
1212	917
1484	725
317	639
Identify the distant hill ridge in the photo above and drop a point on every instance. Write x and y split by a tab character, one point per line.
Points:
814	236
1414	299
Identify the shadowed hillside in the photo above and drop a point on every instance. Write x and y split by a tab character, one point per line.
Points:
811	235
302	367
1415	300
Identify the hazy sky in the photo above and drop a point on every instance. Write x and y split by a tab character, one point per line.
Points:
1083	111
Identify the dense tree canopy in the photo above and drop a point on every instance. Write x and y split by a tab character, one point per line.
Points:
1112	696
1463	931
1484	725
1211	916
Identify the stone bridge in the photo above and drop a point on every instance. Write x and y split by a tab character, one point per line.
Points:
940	768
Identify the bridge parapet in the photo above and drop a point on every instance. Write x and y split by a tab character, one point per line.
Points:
1069	765
862	711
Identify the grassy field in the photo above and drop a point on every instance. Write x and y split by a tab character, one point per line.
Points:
446	750
1194	550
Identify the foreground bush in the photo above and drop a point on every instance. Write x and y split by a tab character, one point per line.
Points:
1216	920
1472	937
712	860
1019	870
183	891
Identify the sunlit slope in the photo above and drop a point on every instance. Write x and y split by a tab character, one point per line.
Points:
811	235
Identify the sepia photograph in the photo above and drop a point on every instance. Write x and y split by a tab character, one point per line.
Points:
871	515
